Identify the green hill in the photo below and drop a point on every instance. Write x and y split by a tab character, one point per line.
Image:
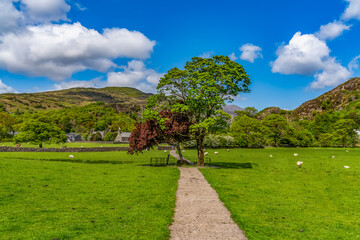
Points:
344	97
123	97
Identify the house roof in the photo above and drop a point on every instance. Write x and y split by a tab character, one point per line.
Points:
125	134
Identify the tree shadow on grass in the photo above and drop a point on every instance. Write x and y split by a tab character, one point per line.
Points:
76	161
232	165
158	165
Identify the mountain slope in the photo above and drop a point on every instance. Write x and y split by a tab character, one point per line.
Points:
230	109
73	97
336	99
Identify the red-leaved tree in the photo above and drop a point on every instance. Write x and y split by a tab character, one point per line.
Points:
174	130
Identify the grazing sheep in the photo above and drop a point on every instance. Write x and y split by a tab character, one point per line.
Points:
216	153
228	150
206	153
270	156
71	157
82	146
165	151
100	146
347	150
346	167
299	163
333	157
183	151
295	154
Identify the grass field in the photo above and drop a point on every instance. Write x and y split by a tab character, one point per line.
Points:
69	145
112	195
270	198
107	195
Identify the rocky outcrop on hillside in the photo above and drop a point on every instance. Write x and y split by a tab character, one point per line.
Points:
267	111
337	99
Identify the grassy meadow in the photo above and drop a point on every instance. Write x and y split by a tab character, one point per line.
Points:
271	198
107	195
112	195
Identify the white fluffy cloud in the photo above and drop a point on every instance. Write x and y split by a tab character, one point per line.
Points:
233	57
332	30
10	17
354	63
250	52
31	11
352	11
307	55
331	75
44	11
95	83
207	54
5	88
303	55
135	75
58	51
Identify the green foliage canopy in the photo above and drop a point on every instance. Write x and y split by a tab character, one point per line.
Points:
202	88
38	132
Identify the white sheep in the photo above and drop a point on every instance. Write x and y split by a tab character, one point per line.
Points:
82	146
270	155
347	150
216	153
228	150
206	153
165	151
299	163
333	157
295	154
183	151
71	157
346	167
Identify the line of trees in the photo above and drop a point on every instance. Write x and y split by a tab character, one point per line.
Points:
51	125
326	129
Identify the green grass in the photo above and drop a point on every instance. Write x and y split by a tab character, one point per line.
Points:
69	145
112	195
270	198
108	195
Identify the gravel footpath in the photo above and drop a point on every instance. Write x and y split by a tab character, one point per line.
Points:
199	213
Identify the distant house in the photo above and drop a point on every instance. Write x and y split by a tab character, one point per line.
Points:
73	137
102	133
122	137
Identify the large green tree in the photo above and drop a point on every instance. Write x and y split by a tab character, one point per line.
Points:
278	128
38	132
344	132
247	131
203	87
7	123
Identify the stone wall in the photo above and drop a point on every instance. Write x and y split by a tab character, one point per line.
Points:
93	149
164	148
103	142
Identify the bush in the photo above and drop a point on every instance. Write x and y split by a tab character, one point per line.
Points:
110	136
189	144
213	141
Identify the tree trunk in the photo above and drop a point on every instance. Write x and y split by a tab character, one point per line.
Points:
180	155
200	149
40	145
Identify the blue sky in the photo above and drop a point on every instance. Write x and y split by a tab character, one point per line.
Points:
293	51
